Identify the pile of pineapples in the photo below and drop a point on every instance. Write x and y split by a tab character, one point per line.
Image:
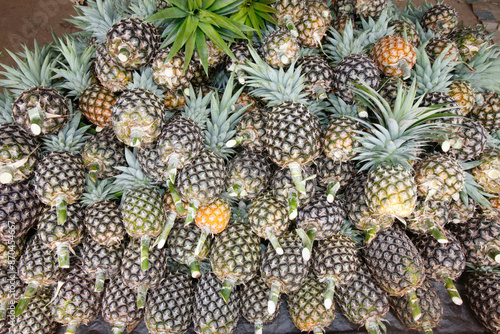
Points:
191	162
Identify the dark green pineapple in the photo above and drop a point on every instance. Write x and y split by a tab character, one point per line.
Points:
170	306
440	18
318	75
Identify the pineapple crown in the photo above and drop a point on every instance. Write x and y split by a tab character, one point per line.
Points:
471	188
350	231
223	120
70	138
376	29
132	175
474	268
435	77
196	107
482	70
98	16
425	35
239	211
99	191
6	101
415	13
144	79
75	70
401	133
342	44
34	68
141	8
275	86
339	107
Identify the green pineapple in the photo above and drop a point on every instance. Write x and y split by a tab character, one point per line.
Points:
280	48
37	318
76	302
488	171
169	308
111	75
211	313
306	307
119	306
487	113
436	45
468	141
169	74
38	269
100	262
334	176
406	30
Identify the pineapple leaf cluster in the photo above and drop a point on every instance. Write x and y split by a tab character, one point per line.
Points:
34	68
6	100
339	45
255	13
75	71
197	106
414	13
99	191
483	69
141	8
339	107
132	175
143	79
192	21
70	138
471	188
373	30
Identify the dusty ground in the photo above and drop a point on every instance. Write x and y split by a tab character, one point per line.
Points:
22	21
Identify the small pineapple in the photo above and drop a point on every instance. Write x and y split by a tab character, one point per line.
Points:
110	74
280	48
487	174
394	56
437	45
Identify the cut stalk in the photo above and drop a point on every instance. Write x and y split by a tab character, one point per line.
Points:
123	55
371	233
29	293
118	330
306	244
274	296
179	206
6	175
296	172
330	290
241	138
320	92
191	212
142	293
237	190
94	172
275	243
136	136
100	278
63	254
290	26
293	204
373	327
452	289
72	328
36	120
259	327
194	266
227	287
172	165
436	231
405	68
3	309
331	191
317	330
427	329
494	253
201	242
162	238
414	306
145	242
62	207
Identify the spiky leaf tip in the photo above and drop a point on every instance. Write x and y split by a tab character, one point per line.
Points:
70	138
255	13
6	101
483	70
131	176
143	78
99	191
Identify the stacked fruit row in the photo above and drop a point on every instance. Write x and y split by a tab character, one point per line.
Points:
188	162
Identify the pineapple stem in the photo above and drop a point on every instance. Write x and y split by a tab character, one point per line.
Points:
330	290
145	242
162	238
319	92
118	330
307	242
191	212
201	242
405	68
35	115
414	306
296	172
331	191
427	329
237	190
317	330
123	54
274	296
244	136
72	328
275	243
371	233
290	26
93	172
436	231
372	326
3	309
100	278
227	286
176	198
259	327
194	266
452	289
293	204
142	292
136	136
494	254
25	299
6	175
63	254
172	164
62	207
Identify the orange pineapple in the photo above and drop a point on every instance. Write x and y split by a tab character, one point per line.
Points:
394	56
212	219
463	92
95	104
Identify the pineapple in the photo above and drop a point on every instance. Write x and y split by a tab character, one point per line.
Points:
468	141
38	269
280	47
235	256
319	220
470	40
394	56
313	24
37	318
487	173
119	306
60	174
464	94
396	266
254	299
440	18
363	302
211	313
11	289
318	75
429	217
335	263
103	219
283	273
306	307
169	308
100	262
169	74
101	153
407	30
430	304
389	89
250	131
370	8
182	245
269	219
142	208
76	303
19	210
437	45
111	75
134	276
443	262
487	113
334	176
